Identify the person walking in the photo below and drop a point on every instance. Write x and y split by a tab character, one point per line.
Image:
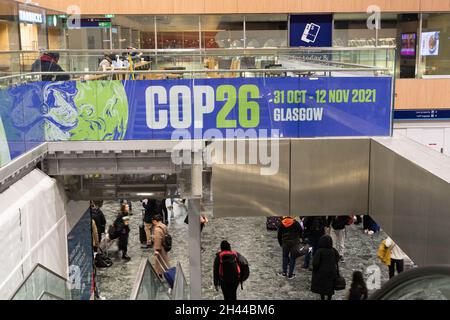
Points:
337	226
314	229
391	255
99	219
160	231
289	234
228	271
358	289
123	232
150	210
325	268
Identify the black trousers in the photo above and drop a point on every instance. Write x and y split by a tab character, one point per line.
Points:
395	265
229	291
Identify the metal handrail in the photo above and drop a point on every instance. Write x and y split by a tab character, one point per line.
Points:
198	71
204	50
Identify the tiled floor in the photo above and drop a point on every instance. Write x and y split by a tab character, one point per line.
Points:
248	236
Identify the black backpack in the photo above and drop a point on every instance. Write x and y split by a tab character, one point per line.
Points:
102	261
167	241
112	232
229	269
245	269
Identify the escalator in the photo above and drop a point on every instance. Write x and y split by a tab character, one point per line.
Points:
148	286
426	283
42	284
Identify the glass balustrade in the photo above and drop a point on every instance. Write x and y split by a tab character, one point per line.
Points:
16	66
42	284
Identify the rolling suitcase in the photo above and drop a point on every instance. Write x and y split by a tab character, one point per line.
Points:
272	223
169	273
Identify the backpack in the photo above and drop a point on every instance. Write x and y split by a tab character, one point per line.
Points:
229	269
102	261
112	232
245	269
167	241
231	262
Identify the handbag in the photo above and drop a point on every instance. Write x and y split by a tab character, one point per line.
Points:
339	281
299	250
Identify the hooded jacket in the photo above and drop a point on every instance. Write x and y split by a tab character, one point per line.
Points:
48	63
289	232
325	267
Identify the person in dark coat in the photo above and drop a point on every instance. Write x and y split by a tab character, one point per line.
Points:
289	234
123	230
325	268
358	289
99	219
48	62
314	229
226	276
150	210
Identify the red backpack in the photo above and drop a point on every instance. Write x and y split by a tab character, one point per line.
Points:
229	269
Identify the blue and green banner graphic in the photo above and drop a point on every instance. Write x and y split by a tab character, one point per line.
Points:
201	108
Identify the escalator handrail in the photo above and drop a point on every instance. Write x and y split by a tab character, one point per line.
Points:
410	276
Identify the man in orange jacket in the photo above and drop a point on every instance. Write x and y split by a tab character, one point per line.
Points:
289	234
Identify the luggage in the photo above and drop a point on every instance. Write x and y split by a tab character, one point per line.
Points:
106	243
102	260
169	273
272	223
142	235
299	250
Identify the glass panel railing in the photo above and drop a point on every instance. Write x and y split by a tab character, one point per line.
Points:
427	283
148	286
42	282
193	63
180	288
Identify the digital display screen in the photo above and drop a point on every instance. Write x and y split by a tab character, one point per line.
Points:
430	44
408	44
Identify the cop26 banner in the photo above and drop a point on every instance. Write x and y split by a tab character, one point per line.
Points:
200	108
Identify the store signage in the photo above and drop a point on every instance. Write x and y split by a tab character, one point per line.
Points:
435	114
310	30
109	15
31	17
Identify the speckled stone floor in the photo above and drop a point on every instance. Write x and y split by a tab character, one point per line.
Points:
246	235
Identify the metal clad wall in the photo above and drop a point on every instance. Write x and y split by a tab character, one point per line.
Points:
438	249
329	176
381	198
240	189
409	202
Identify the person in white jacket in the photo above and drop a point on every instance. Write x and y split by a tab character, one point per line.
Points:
397	257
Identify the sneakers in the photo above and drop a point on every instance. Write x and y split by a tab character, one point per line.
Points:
282	274
370	232
291	276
